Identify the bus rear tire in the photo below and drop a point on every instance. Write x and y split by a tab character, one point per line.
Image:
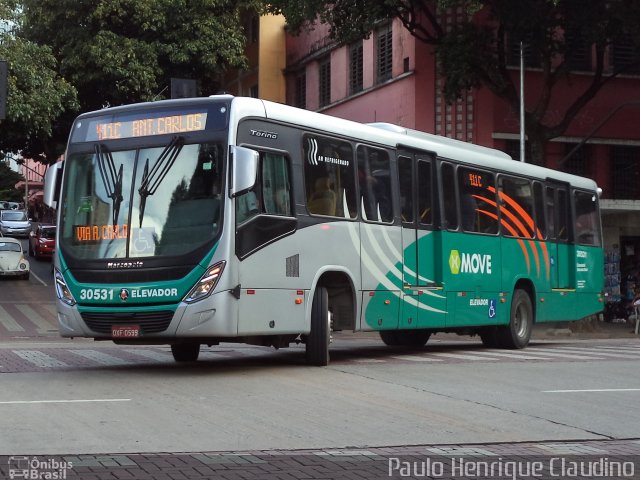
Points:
185	352
317	346
517	333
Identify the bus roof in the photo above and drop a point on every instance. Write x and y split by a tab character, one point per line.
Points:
380	133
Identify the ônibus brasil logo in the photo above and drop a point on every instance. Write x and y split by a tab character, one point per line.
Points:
469	263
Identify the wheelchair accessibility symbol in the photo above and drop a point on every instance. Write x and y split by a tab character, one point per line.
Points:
492	308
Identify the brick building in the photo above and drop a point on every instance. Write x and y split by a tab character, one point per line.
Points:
392	77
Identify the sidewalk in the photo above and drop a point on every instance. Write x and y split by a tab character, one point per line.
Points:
588	328
551	460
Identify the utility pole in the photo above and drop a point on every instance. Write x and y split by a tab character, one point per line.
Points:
522	149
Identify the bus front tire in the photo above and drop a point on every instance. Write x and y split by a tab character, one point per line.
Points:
317	346
185	352
517	333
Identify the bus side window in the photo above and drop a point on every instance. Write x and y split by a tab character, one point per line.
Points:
540	221
477	201
550	212
330	179
517	201
275	184
562	210
425	193
405	174
449	197
375	184
586	224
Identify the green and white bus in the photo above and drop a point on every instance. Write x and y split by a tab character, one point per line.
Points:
226	219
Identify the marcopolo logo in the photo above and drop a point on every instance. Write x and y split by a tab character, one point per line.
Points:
469	263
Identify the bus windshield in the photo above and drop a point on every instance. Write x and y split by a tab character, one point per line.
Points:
160	201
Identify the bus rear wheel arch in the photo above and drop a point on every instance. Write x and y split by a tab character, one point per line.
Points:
517	333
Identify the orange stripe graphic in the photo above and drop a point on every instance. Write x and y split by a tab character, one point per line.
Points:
523	230
514	233
531	224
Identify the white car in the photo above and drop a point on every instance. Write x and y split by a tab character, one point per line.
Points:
12	261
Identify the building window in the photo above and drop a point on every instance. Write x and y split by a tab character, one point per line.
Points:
355	68
325	82
301	91
626	56
625	172
578	162
384	44
531	56
512	148
253	91
578	53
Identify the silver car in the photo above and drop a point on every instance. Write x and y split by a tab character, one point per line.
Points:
14	223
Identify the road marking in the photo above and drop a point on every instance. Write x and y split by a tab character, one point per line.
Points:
39	359
42	323
151	354
100	357
461	356
90	400
39	279
8	322
594	390
415	358
603	354
554	352
625	349
516	356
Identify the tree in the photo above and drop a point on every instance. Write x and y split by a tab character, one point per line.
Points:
37	95
122	51
473	53
8	180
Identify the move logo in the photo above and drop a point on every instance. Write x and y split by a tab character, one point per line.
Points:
469	263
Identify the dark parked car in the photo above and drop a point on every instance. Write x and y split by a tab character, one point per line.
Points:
42	242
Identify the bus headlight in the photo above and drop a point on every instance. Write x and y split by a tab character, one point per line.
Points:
62	290
206	284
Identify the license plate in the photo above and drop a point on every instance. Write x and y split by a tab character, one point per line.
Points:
125	331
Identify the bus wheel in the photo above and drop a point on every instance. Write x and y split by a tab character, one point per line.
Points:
390	338
518	332
317	347
185	352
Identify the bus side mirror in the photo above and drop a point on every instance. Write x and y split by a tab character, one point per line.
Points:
52	183
244	169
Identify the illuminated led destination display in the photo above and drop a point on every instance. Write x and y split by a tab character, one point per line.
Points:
145	124
145	127
99	233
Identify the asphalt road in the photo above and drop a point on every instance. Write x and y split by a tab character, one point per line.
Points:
84	399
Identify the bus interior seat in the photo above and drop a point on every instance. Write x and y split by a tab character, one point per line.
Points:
323	200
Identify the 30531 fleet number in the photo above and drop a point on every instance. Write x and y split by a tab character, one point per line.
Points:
96	294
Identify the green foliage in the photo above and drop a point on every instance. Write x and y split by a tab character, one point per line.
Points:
67	56
36	94
8	179
123	51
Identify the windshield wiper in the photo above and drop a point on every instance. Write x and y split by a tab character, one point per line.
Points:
151	180
112	182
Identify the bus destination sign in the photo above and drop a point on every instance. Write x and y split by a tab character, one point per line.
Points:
144	127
